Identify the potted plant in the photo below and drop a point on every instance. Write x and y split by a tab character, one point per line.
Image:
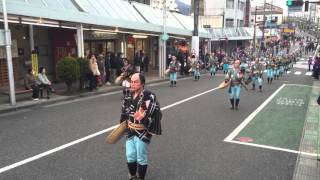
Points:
68	70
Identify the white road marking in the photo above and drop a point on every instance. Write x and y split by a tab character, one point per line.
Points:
252	115
82	99
235	132
297	73
273	148
166	82
288	72
46	153
302	85
308	73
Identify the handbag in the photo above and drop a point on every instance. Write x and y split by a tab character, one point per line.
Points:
117	133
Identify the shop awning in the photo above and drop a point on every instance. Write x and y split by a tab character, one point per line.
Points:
96	12
238	33
155	16
251	32
187	22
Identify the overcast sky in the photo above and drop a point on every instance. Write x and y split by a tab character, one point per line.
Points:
185	1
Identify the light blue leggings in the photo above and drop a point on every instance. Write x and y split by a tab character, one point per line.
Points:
269	73
235	92
136	151
173	76
257	80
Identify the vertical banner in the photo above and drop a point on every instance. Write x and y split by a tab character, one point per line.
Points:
35	62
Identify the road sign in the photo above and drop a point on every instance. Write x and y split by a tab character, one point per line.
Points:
165	37
3	37
293	9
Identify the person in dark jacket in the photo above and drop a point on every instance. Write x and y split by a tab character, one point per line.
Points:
107	68
137	109
316	68
136	62
31	83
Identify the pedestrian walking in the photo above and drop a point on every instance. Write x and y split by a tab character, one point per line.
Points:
137	110
234	77
256	71
173	69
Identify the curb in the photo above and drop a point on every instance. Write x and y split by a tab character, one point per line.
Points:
8	108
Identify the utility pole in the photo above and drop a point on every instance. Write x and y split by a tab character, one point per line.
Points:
8	53
195	37
254	31
263	26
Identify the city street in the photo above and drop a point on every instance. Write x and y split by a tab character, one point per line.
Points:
58	141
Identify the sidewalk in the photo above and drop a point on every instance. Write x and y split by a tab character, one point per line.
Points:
24	100
308	167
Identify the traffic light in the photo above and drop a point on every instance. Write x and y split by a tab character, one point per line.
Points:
306	6
291	3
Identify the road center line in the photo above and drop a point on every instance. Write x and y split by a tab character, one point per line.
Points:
46	153
252	115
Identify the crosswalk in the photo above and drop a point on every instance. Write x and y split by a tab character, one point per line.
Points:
308	73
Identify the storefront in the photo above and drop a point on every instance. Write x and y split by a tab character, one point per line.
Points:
98	42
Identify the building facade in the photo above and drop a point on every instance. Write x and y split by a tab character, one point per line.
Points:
222	13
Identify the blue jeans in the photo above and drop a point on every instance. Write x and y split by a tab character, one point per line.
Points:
136	151
235	92
173	76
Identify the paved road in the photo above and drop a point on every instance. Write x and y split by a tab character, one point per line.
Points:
191	146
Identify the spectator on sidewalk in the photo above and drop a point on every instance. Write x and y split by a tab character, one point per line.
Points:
145	62
102	70
309	63
136	62
31	83
316	68
95	73
44	83
107	69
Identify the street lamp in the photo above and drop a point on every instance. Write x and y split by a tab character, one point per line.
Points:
165	6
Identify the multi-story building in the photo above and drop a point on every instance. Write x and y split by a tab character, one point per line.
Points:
222	13
273	18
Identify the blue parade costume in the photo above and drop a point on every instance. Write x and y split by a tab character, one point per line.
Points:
256	71
213	69
225	67
173	69
196	71
277	70
235	77
269	68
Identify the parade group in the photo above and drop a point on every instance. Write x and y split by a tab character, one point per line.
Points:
241	68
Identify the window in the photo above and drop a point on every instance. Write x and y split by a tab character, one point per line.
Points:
229	22
241	6
230	4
